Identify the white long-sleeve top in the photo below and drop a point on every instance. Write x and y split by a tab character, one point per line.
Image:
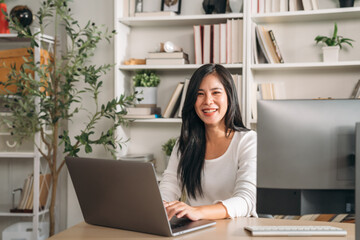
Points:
230	178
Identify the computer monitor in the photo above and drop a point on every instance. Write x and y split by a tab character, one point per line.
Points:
307	144
357	182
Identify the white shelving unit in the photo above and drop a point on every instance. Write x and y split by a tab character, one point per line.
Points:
19	157
304	75
139	35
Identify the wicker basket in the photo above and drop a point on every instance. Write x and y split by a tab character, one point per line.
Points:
15	56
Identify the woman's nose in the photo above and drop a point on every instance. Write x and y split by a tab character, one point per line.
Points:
209	99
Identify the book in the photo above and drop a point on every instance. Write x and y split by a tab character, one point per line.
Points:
240	34
268	6
234	41
295	5
152	14
276	46
140	116
132	8
261	6
261	41
222	42
183	96
143	110
168	55
275	6
315	4
166	61
307	5
284	5
267	44
356	91
174	101
228	41
207	44
198	43
25	193
216	43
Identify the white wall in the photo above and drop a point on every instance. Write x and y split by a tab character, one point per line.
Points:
101	13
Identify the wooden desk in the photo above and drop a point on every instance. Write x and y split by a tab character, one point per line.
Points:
224	229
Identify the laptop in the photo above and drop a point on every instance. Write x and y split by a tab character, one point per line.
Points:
125	195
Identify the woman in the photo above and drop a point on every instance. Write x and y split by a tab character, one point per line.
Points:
214	162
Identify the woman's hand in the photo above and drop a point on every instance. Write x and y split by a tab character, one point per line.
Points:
180	209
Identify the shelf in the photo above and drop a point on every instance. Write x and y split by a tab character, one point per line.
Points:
161	21
157	120
172	67
12	37
304	66
5	212
307	16
17	154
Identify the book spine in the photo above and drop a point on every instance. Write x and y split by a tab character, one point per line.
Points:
276	46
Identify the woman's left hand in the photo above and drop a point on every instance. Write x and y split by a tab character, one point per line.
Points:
180	209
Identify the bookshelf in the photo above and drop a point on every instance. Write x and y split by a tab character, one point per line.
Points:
18	162
304	75
147	135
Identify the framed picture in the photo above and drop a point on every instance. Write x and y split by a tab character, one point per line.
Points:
171	6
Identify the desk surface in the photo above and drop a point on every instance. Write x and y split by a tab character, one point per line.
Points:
224	229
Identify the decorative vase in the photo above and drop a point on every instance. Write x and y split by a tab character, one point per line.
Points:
4	25
331	54
149	95
217	6
236	5
346	3
23	14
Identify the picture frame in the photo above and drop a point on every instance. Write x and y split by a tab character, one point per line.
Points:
171	6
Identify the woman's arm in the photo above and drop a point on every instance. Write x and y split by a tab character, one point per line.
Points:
181	209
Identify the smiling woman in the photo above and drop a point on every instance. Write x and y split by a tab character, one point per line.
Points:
213	163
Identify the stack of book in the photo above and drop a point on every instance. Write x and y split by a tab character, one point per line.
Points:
143	111
261	91
266	48
269	6
219	43
167	58
27	196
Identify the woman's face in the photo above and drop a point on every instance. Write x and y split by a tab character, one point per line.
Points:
212	102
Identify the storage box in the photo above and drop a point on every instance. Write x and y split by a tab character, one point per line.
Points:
23	231
16	56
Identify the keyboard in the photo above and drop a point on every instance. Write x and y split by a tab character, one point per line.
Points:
296	231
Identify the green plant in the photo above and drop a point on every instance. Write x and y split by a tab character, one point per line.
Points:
334	40
146	78
57	98
168	146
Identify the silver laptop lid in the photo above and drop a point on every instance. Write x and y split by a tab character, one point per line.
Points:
119	194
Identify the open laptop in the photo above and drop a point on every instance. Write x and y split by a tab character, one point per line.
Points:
125	195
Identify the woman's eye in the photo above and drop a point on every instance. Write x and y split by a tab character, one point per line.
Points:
200	93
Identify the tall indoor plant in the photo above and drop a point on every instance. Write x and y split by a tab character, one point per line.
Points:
56	96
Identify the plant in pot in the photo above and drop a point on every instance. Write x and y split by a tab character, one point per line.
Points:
50	103
167	148
145	83
332	45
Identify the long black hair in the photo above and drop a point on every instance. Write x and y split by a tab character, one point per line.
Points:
192	141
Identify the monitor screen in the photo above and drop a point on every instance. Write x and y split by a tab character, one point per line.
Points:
307	144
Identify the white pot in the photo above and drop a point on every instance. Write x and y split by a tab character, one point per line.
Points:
236	5
331	54
149	94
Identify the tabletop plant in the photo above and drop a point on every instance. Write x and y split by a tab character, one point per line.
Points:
57	98
146	78
334	40
168	146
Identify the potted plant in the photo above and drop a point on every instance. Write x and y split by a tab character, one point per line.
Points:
167	148
333	45
57	98
145	83
346	3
